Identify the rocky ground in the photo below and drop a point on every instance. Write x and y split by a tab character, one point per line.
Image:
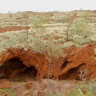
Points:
42	87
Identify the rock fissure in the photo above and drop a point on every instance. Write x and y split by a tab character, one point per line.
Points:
64	65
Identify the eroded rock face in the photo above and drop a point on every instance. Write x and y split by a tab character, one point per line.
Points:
64	68
79	60
28	58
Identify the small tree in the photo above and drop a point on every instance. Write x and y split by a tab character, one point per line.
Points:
24	20
38	24
69	19
40	21
47	47
50	49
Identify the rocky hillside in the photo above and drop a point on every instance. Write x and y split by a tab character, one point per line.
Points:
62	42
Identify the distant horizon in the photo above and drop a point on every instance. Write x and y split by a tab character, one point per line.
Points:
45	11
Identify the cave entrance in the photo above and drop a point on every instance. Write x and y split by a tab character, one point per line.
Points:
74	73
14	69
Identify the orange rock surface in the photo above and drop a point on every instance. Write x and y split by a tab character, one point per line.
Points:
4	84
64	68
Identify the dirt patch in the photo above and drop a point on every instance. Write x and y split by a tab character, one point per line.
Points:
42	88
12	28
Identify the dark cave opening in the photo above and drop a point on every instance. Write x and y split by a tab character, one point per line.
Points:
73	74
64	65
15	70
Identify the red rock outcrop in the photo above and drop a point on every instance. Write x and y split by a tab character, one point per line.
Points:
28	58
64	68
78	60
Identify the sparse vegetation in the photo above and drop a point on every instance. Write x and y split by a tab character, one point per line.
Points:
7	91
53	94
81	30
84	90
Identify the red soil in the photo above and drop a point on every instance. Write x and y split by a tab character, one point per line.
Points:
12	28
